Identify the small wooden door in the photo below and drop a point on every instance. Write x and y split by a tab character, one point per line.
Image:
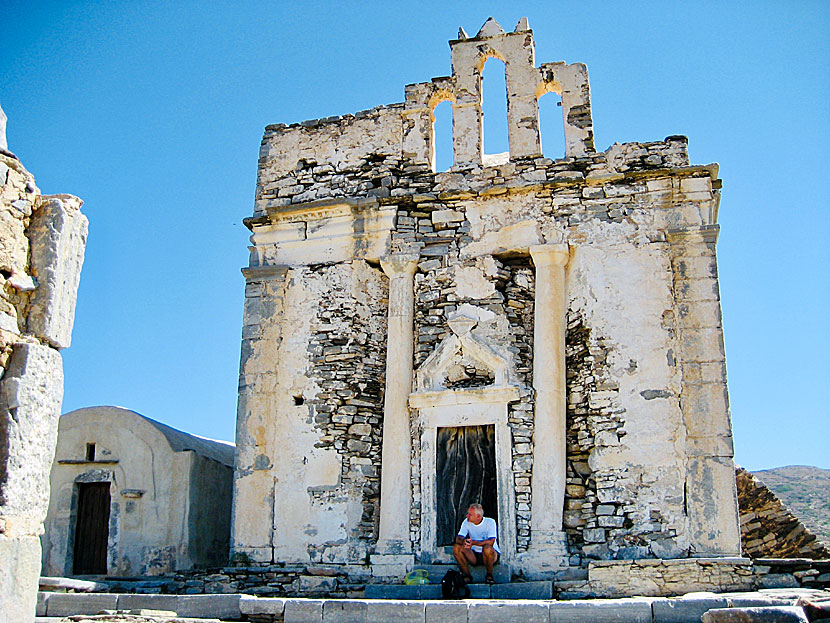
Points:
92	528
466	474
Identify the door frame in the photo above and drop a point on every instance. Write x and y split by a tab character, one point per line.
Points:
468	407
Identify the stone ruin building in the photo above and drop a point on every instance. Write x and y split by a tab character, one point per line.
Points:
131	496
543	336
42	241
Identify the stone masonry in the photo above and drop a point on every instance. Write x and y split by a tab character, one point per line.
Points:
42	240
571	304
768	528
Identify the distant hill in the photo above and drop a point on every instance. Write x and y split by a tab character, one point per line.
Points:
806	491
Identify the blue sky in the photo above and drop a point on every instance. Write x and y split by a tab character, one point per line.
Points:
152	112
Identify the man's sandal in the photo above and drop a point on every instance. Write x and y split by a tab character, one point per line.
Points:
489	579
468	579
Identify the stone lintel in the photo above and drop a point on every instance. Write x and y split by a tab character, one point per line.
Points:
449	397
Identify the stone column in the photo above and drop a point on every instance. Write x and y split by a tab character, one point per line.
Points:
395	489
548	484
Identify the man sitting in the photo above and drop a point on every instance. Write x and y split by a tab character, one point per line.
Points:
476	544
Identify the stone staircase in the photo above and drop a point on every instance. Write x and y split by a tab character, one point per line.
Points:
504	588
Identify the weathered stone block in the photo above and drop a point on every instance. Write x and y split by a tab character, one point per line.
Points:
508	612
261	605
209	606
395	611
522	590
601	611
344	610
30	398
769	614
66	604
446	612
19	571
303	611
148	602
57	233
684	610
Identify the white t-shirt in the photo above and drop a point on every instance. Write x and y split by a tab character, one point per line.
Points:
481	532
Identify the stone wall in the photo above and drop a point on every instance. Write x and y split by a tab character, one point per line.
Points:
768	528
42	240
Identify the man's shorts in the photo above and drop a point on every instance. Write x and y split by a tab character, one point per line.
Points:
480	558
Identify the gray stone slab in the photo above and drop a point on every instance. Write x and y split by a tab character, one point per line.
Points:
477	591
395	611
757	601
344	611
40	610
508	612
766	614
261	605
31	389
207	606
779	580
684	610
67	604
601	611
131	601
445	612
79	586
303	611
522	590
401	591
19	570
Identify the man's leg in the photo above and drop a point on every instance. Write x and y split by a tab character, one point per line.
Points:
490	556
463	557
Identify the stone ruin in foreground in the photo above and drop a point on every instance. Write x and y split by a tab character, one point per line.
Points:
543	336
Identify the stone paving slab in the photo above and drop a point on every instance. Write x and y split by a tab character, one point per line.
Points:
602	611
684	609
130	601
219	606
303	610
396	612
765	614
508	612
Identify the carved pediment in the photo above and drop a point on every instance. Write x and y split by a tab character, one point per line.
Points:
459	350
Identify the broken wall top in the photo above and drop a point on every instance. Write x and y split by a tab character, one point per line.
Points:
350	155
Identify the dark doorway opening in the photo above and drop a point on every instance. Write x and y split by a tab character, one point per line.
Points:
466	474
92	528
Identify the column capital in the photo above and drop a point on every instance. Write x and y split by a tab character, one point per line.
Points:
395	265
546	254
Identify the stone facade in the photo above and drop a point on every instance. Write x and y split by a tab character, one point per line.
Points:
165	503
572	305
42	241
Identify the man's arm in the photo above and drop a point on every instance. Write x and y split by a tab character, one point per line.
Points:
484	542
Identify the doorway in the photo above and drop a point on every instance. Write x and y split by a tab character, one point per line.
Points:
92	528
465	474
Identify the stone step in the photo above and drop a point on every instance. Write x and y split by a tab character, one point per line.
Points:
509	590
501	573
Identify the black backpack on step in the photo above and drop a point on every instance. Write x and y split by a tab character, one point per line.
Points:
453	586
